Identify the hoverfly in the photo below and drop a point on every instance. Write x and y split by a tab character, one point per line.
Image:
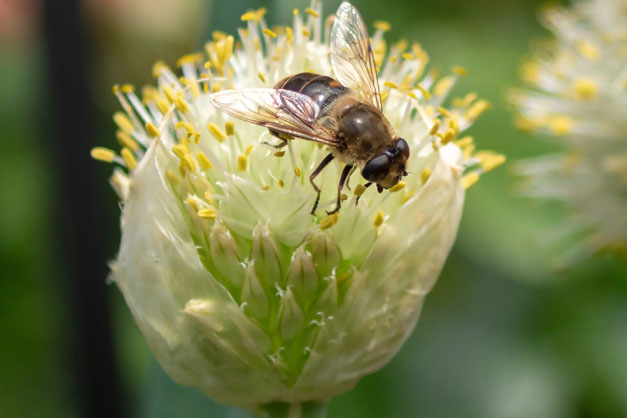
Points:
344	114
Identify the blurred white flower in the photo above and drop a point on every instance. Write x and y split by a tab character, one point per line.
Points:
578	94
238	290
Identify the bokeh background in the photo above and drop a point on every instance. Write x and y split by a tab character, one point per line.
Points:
507	332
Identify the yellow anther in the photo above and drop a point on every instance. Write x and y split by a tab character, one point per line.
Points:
297	171
229	127
123	122
477	109
152	130
435	127
242	161
329	221
185	125
424	91
448	136
172	177
217	35
489	160
125	140
189	59
179	150
216	87
129	158
269	33
204	162
207	213
398	186
295	12
192	202
390	84
530	72
588	50
561	125
249	16
181	104
463	142
265	188
158	68
359	190
127	88
169	93
163	106
407	197
115	89
378	219
248	150
444	112
281	183
217	133
443	86
189	162
382	25
470	179
290	34
585	89
208	197
102	154
393	58
459	70
424	175
312	12
407	56
306	33
261	77
279	153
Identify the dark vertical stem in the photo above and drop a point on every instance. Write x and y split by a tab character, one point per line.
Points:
79	227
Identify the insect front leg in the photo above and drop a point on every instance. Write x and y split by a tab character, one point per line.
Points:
313	175
345	173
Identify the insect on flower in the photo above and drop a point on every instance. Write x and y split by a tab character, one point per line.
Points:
344	114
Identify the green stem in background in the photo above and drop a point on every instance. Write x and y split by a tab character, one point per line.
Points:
294	410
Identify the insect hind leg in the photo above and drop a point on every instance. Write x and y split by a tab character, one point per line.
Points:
313	175
345	174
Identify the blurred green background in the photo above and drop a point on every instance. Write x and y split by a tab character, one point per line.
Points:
505	333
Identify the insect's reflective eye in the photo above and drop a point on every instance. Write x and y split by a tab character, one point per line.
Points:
402	145
377	168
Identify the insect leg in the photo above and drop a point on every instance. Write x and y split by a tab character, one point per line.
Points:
365	186
348	186
277	146
313	175
345	173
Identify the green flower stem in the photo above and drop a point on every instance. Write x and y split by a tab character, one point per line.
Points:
294	410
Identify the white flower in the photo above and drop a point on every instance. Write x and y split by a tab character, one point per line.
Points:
579	95
238	290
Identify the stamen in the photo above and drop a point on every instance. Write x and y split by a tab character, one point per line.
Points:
129	158
329	221
469	179
378	219
216	132
102	154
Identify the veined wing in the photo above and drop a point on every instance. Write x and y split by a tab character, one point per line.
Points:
351	54
283	111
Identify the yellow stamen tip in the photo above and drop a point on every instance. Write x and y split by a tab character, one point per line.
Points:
216	132
460	70
248	150
207	213
115	89
378	219
261	77
269	33
390	84
297	171
229	127
435	127
279	153
359	190
585	89
242	162
102	154
469	179
312	12
152	130
204	162
424	175
329	221
123	122
398	186
382	25
129	158
561	125
127	88
125	140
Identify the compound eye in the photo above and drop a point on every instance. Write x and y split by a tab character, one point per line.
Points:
377	168
402	145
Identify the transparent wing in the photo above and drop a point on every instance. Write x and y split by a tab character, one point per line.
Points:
351	54
283	111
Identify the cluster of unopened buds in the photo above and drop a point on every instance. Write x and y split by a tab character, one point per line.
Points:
237	288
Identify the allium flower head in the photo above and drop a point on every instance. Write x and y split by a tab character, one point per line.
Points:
578	94
237	288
